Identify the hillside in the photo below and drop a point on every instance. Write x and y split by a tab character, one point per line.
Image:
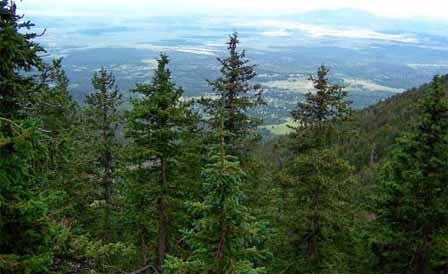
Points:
379	125
372	132
163	184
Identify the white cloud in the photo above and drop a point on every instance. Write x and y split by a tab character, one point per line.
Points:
276	33
390	8
320	31
63	13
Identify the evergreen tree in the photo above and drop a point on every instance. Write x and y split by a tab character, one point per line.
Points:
157	125
316	184
60	117
239	96
26	233
318	214
320	111
103	118
414	211
53	103
59	114
223	238
19	53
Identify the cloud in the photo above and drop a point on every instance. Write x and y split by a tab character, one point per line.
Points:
63	13
318	32
323	31
276	33
389	8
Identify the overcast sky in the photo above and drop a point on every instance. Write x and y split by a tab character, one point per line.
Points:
437	9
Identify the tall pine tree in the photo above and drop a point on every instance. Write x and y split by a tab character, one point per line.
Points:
321	110
157	125
103	118
224	237
26	233
19	53
234	88
316	183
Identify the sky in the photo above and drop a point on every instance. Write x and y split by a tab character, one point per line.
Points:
432	9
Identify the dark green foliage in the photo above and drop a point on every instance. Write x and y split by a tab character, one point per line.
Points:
158	125
26	233
315	186
320	111
18	54
103	119
223	238
414	210
376	128
325	105
53	103
239	97
77	195
318	213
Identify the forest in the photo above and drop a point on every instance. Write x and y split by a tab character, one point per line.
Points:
161	184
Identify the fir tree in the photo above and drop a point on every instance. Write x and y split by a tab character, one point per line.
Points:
320	111
53	103
157	125
26	232
239	96
318	181
414	211
224	238
103	117
18	53
318	214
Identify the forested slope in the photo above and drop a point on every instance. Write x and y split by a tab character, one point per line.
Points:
188	187
382	123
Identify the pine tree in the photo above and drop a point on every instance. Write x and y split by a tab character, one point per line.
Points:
19	53
26	233
61	119
239	96
103	118
317	183
53	103
320	111
318	213
157	125
414	211
59	114
223	238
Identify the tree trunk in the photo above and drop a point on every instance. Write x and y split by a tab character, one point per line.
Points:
107	207
422	258
143	246
313	248
163	218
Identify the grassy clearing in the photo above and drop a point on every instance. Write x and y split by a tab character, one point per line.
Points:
281	129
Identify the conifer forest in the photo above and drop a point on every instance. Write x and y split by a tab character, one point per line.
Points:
160	183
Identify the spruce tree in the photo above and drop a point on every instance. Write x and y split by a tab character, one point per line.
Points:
27	235
321	110
239	95
59	114
157	124
103	119
414	211
19	53
318	214
224	237
53	103
317	183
